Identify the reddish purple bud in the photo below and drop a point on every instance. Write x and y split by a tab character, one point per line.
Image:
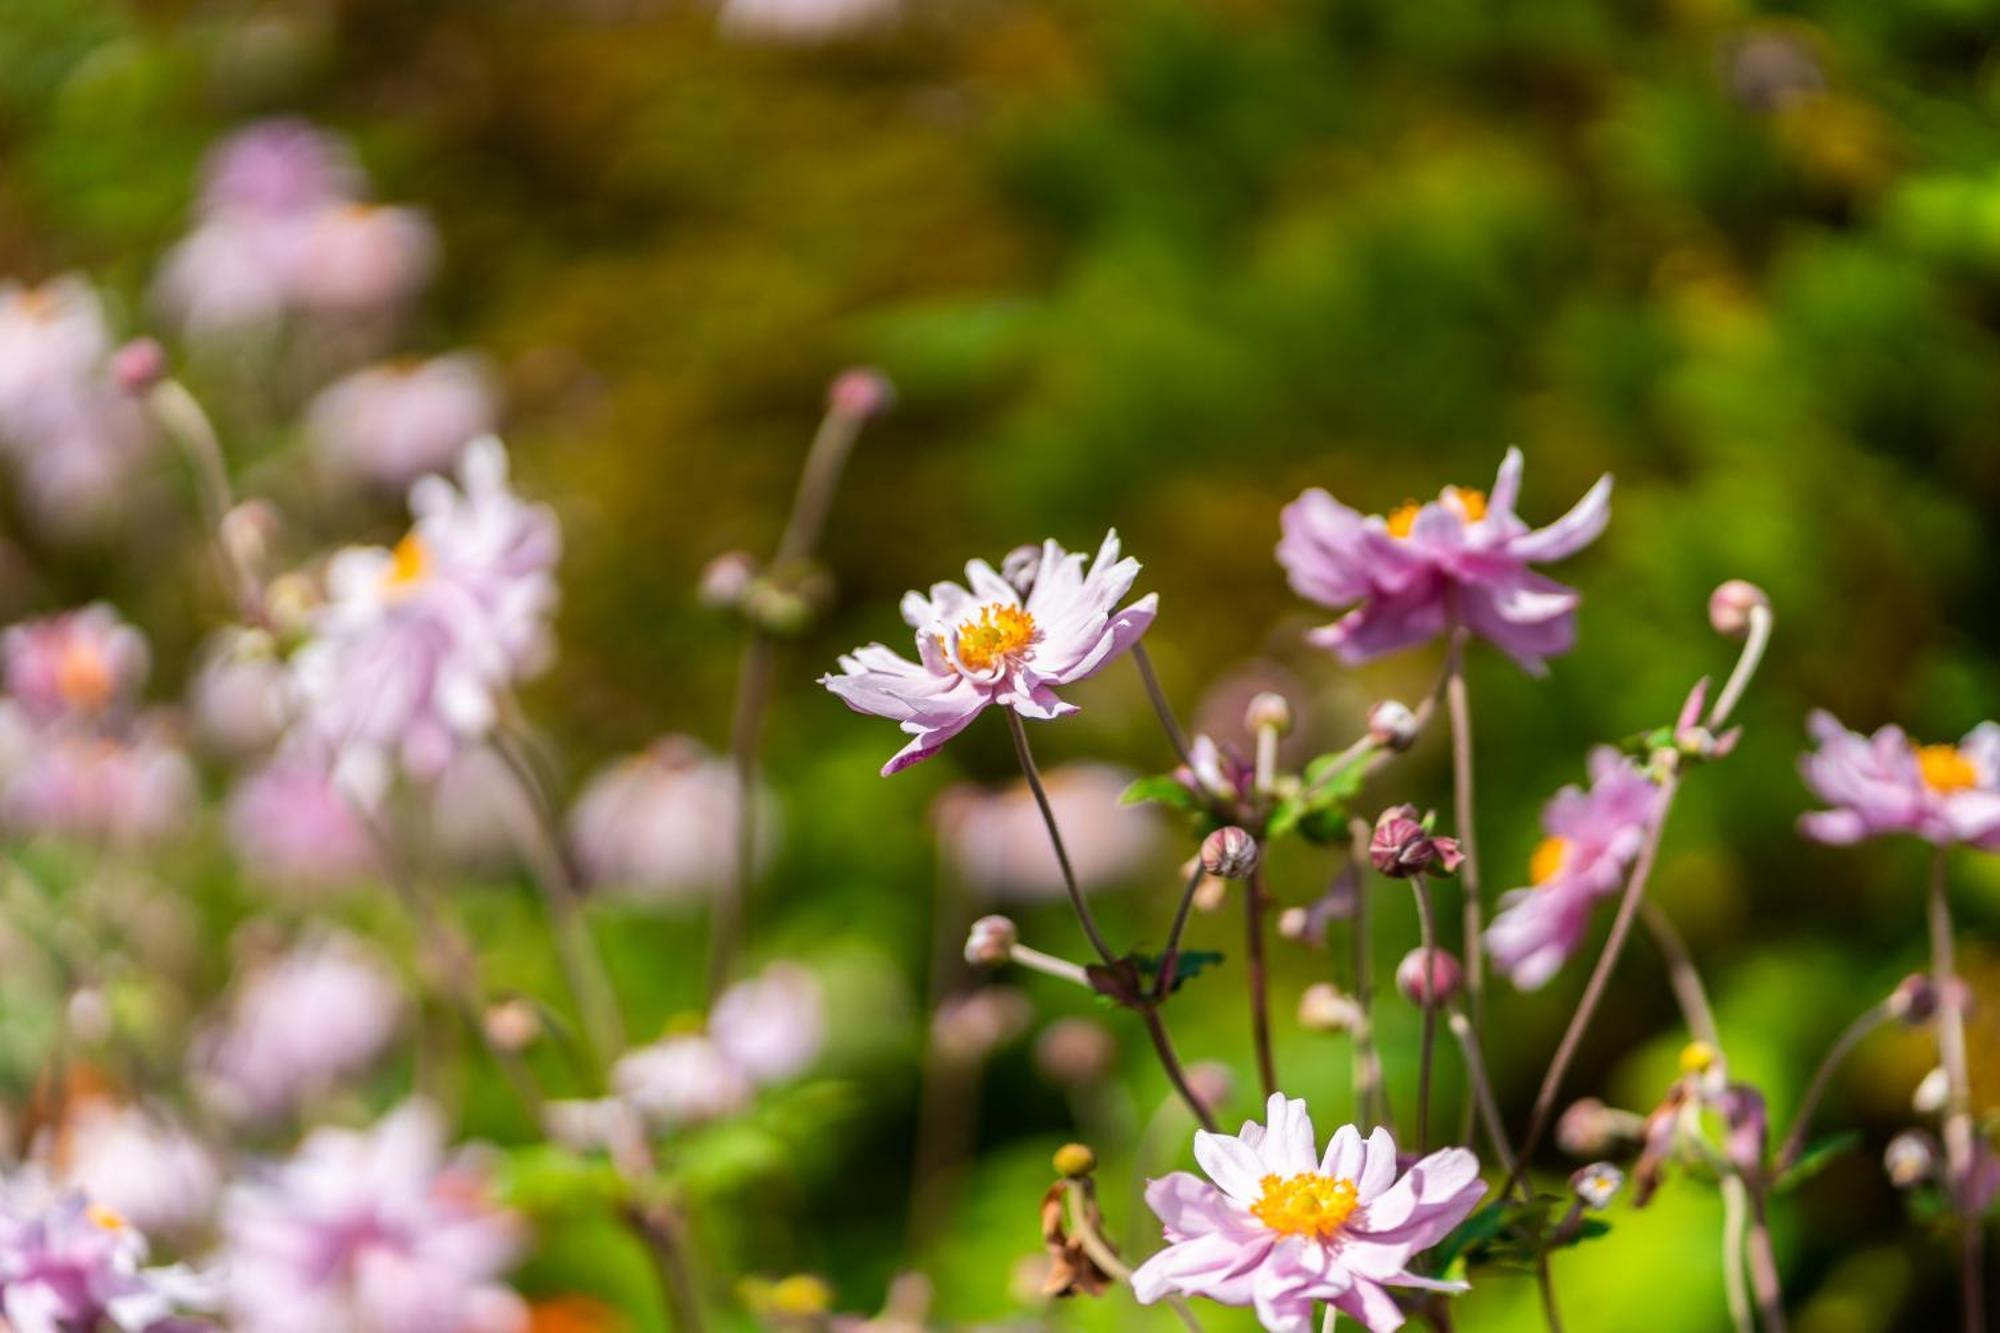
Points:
861	393
1914	1000
1428	977
139	365
1731	604
1229	853
1402	847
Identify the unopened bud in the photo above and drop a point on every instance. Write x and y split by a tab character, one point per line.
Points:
991	941
1698	1057
1596	1185
1325	1008
861	393
1392	725
1295	923
1589	1128
1933	1093
1730	605
1229	853
1402	846
139	365
1074	1161
1910	1159
1211	1083
1914	1000
726	580
1268	712
247	532
780	610
512	1026
1428	977
1076	1051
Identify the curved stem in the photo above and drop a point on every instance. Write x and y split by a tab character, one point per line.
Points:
1600	978
1689	993
180	414
1958	1131
1034	777
1260	988
1049	965
1161	708
1163	1046
1427	928
1754	644
1170	958
1843	1046
1764	1265
1735	1224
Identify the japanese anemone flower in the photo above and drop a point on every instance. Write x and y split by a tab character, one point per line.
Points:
990	643
1417	572
1888	783
1283	1227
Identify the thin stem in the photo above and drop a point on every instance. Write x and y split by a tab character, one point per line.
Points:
1754	644
1103	1255
1600	978
1482	1088
1427	928
1764	1278
1735	1226
1850	1037
1163	1046
1958	1132
1689	993
1161	708
1260	986
180	414
1034	777
1369	1107
1458	704
1049	965
1170	958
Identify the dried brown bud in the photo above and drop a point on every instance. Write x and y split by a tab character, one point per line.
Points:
1074	1161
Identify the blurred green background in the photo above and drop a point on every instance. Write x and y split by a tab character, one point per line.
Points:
1160	265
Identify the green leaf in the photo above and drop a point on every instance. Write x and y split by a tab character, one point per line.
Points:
1193	962
1816	1159
1161	789
542	1179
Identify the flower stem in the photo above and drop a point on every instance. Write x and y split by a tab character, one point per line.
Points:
1754	644
1163	1046
1843	1046
1161	708
1049	965
1260	986
1170	958
1371	1106
1427	928
1735	1225
1958	1131
1600	978
1458	704
1685	981
1028	770
1482	1087
1104	1256
180	414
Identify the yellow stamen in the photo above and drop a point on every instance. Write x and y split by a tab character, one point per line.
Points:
800	1294
1468	504
408	562
1000	632
1307	1204
1471	503
105	1217
83	677
1403	518
1697	1057
1547	860
1945	768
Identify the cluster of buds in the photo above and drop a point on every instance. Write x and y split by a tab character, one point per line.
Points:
1403	845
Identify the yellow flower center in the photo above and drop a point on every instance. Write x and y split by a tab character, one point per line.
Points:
408	563
105	1217
1697	1057
83	677
1000	632
1945	768
1307	1204
1469	504
1546	862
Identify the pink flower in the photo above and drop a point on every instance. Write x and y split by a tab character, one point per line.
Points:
997	844
772	1025
1462	559
1593	837
133	787
293	826
1283	1227
68	1265
390	424
240	698
1888	783
360	260
805	20
682	1079
79	664
660	826
281	167
371	1231
991	645
141	1164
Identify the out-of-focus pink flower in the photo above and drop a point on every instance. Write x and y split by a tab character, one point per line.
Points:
805	20
363	259
281	167
409	654
371	1231
388	425
69	1264
299	1025
141	1164
661	825
240	698
232	272
480	812
1283	1227
1462	559
683	1079
1593	837
997	843
772	1025
990	645
293	826
129	788
1887	783
86	663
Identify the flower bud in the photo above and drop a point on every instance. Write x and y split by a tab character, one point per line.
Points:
726	580
861	393
1596	1185
1210	894
1730	605
1268	712
1933	1093
1914	1000
1324	1008
1076	1051
1402	846
1020	566
1589	1128
1229	853
512	1025
1698	1057
1074	1161
991	941
1910	1159
1211	1082
1295	923
1428	977
247	532
1392	725
139	365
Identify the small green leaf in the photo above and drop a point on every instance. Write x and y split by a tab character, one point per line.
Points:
1192	963
1816	1159
1161	789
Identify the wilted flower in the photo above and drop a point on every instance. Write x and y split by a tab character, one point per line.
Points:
1401	846
142	1165
1283	1227
1461	560
70	1265
1428	977
989	645
1887	783
78	664
371	1231
299	1025
661	825
388	425
1593	836
294	827
998	846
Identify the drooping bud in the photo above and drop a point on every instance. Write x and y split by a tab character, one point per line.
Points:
1428	977
1911	1159
139	365
1914	1000
1402	846
1730	605
861	393
1933	1093
1076	1051
1589	1128
1325	1008
991	941
1229	853
1074	1161
726	579
512	1025
1596	1185
1392	725
1020	567
1268	711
